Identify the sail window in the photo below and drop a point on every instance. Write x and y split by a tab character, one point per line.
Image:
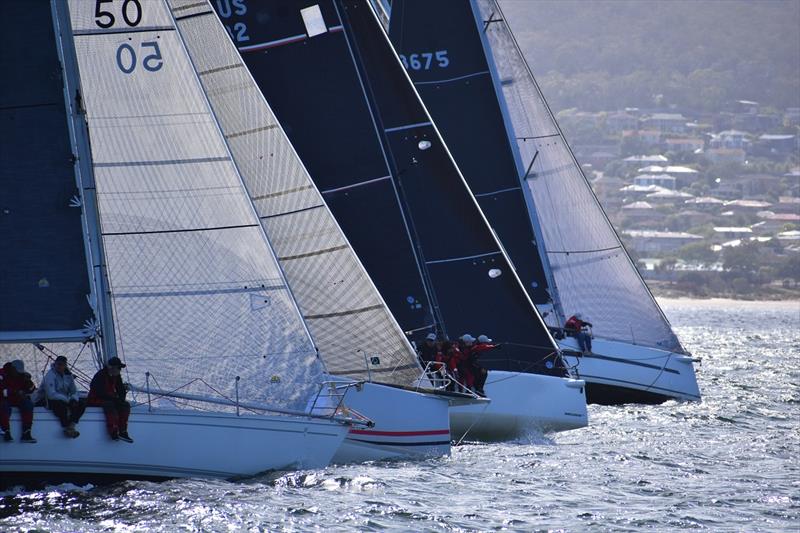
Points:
312	18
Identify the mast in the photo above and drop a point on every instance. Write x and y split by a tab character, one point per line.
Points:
522	168
100	299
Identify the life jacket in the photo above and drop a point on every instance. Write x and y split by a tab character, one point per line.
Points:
574	324
104	387
11	386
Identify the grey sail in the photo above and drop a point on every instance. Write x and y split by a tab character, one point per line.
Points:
200	301
593	273
353	330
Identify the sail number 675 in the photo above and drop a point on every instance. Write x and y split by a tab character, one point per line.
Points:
425	60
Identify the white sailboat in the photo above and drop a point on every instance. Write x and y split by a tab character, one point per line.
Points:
180	279
635	357
357	337
546	215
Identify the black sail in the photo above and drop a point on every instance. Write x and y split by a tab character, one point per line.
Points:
44	281
370	146
441	48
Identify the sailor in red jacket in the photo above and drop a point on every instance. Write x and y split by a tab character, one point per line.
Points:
574	327
16	388
484	345
108	391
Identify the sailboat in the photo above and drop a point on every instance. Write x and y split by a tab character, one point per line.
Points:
338	89
534	193
143	244
356	336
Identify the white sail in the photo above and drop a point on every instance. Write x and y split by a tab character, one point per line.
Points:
351	326
592	271
198	296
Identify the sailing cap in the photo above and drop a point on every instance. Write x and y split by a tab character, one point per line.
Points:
19	365
431	337
484	338
466	337
578	315
61	359
114	361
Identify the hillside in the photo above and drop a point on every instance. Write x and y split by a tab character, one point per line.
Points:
699	54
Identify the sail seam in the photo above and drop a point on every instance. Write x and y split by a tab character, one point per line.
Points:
584	251
549	171
281	193
83	33
220	69
112	164
189	230
291	212
272	44
497	192
248	132
534	137
184	17
188	6
346	313
359	184
464	258
197	292
25	106
311	254
448	80
407	127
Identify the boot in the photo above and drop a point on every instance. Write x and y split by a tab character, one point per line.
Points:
7	435
27	437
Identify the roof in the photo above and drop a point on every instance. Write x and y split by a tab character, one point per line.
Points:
671	169
781	217
643	188
775	137
656	158
732	229
704	200
667	116
653	234
637	205
752	204
669	194
792	235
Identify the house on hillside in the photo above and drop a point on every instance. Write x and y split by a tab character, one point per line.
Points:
658	242
662	180
666	122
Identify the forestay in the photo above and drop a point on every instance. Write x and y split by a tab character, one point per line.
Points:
592	271
352	328
198	296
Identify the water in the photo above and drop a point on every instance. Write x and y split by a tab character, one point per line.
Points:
729	463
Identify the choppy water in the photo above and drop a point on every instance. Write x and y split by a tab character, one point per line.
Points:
731	463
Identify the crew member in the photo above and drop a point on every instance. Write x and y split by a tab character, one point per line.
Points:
108	391
16	388
575	327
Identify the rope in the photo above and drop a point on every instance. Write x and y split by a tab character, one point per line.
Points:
477	419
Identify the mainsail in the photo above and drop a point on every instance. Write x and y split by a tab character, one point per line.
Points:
593	273
44	280
580	260
352	328
441	48
199	299
348	107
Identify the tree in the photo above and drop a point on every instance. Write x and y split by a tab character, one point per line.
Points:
743	260
698	251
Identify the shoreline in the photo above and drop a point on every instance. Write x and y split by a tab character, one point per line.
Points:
677	290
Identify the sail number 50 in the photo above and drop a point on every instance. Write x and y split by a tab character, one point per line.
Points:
425	60
131	11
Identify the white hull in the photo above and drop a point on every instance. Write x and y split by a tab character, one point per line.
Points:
521	403
172	443
408	425
618	372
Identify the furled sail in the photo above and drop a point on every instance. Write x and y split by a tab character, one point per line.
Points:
353	330
592	271
348	107
199	298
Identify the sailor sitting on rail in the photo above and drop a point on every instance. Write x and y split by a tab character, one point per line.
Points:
574	327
